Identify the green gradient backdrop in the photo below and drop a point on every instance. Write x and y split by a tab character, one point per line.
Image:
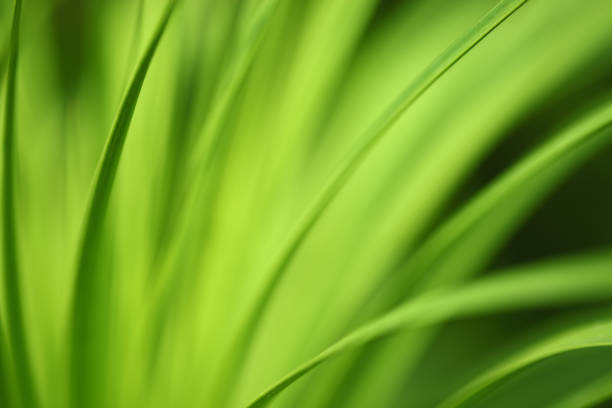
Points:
477	229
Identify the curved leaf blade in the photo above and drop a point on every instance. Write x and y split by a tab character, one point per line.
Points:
567	150
529	288
12	285
595	392
201	158
597	335
445	61
543	168
86	297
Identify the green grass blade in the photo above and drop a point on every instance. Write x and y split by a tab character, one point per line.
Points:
440	261
446	258
5	400
136	40
12	285
535	286
248	44
598	336
200	162
3	63
201	159
83	331
594	393
565	152
407	98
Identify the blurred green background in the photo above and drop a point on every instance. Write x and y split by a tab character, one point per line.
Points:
248	108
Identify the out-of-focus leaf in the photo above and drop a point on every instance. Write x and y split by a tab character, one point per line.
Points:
89	289
526	289
597	336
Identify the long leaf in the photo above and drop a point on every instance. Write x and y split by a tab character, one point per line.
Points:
531	179
86	298
592	394
598	335
373	135
12	285
201	159
533	287
566	151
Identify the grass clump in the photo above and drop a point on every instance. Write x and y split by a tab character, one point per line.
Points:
329	203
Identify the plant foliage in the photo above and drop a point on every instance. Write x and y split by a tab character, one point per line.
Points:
321	203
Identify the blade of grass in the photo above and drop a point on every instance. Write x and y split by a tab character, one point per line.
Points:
200	162
136	40
5	400
531	179
407	98
3	62
248	44
189	100
594	393
566	151
12	286
86	290
598	336
521	288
